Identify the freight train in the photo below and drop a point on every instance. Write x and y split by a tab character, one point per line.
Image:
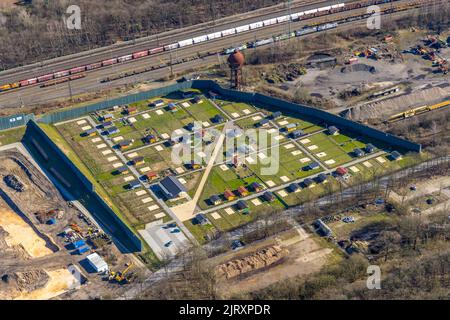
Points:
308	14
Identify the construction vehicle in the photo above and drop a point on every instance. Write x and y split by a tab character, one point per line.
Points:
120	277
417	111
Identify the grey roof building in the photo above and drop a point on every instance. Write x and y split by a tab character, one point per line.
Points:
172	187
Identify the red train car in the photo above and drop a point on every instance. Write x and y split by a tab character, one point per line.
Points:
77	69
109	62
140	54
62	73
45	77
156	50
94	66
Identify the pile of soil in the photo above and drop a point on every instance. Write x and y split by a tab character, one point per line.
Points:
359	67
285	72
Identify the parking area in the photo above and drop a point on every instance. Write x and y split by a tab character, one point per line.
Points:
165	239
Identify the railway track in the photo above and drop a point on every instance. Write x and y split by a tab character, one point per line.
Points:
173	47
92	81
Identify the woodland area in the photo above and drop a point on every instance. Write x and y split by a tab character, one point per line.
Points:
35	31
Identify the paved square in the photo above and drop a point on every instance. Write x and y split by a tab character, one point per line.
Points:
186	104
235	115
305	159
144	170
273	130
158	236
215	215
329	162
250	160
305	141
159	148
296	152
285	179
146	116
129	178
354	169
256	118
229	210
282	193
95	140
147	200
261	155
256	202
117	139
153	207
116	165
381	159
224	167
165	136
289	146
101	146
132	155
321	154
81	122
159	112
270	183
367	164
111	159
283	123
132	120
313	147
205	124
178	131
86	128
179	170
141	193
182	180
278	137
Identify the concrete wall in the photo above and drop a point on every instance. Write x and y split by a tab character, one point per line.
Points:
57	166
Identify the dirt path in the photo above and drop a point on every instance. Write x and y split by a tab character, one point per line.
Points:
186	210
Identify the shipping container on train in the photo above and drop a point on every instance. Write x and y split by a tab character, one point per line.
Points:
158	50
94	66
140	54
214	35
45	77
256	25
109	62
77	69
62	73
125	58
168	47
242	28
228	32
200	39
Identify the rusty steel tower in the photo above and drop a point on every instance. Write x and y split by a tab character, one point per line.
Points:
236	60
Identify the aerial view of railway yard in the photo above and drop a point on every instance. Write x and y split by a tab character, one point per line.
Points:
238	150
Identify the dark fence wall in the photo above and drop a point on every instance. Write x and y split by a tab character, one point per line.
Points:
81	111
14	121
75	184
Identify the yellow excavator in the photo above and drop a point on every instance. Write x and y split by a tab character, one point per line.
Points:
120	277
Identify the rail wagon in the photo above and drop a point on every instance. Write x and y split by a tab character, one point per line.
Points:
77	69
62	73
140	54
95	65
125	58
214	35
109	62
228	32
45	77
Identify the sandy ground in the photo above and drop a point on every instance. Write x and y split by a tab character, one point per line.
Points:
20	233
60	281
306	256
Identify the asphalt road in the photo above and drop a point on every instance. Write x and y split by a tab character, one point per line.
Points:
35	95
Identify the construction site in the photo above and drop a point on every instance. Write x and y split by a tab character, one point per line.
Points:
42	236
